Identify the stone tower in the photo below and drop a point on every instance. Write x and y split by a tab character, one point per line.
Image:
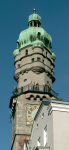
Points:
34	73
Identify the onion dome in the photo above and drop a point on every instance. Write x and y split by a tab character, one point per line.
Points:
16	52
29	36
53	56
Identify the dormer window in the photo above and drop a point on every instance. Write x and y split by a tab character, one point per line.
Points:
26	52
38	33
38	36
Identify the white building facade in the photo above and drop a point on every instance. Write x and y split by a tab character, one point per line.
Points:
51	126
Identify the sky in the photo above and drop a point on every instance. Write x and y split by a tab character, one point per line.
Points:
13	19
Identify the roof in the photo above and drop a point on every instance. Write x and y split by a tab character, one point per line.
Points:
53	56
29	36
47	102
34	17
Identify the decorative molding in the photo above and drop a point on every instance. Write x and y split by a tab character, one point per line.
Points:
57	107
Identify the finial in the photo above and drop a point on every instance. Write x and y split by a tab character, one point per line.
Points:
34	10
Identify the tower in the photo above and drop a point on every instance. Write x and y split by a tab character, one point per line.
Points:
34	73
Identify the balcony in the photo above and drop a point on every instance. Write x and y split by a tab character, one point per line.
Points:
34	89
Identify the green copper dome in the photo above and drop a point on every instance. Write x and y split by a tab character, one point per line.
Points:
30	35
53	56
34	17
16	52
37	43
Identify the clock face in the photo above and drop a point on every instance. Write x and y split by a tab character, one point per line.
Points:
31	112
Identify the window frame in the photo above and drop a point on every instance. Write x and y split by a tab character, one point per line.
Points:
38	59
45	135
32	60
18	65
26	52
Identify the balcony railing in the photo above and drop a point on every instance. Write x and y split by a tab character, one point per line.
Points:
35	88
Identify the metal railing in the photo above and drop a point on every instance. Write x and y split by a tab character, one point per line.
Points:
34	88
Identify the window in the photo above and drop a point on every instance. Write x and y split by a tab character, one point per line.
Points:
32	59
38	59
30	24
38	24
48	82
45	135
26	52
37	126
38	142
43	60
35	24
25	80
18	65
38	36
38	33
42	116
46	54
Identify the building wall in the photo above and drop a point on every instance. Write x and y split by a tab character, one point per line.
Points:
36	133
36	67
56	116
31	76
21	114
19	142
61	130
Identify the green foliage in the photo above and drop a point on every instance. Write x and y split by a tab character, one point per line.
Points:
10	116
58	97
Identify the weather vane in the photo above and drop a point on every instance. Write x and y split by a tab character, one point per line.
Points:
34	10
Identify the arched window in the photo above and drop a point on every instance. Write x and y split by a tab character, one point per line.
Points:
35	23
26	52
38	36
25	80
30	24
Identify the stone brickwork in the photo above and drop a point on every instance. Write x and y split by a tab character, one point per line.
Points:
22	130
21	126
19	142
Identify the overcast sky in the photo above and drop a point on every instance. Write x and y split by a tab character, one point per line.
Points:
13	19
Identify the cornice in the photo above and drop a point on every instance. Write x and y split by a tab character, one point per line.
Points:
34	54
